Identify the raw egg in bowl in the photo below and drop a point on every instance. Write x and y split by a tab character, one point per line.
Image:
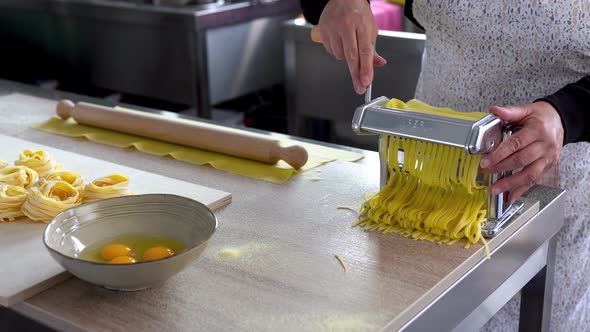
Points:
130	242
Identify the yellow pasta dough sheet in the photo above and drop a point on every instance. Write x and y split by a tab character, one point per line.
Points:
278	173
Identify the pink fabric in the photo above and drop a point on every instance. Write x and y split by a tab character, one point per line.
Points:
388	16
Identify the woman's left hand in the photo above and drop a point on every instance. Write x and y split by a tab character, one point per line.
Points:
535	147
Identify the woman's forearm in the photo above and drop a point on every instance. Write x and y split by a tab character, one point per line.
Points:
573	104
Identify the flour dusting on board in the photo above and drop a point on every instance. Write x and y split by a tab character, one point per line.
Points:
313	175
316	321
341	322
245	251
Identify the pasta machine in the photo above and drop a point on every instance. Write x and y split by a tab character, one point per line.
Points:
476	137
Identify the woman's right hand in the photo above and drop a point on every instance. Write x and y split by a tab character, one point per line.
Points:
348	31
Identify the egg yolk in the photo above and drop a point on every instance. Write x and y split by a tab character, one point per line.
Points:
158	252
114	250
123	260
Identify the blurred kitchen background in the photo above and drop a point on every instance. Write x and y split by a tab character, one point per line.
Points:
248	63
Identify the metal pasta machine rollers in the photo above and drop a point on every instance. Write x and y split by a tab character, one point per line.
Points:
476	137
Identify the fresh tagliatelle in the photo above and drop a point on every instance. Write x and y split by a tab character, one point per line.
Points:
34	188
73	178
38	160
106	187
45	202
433	194
11	201
22	176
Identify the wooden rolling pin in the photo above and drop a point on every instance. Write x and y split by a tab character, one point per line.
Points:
190	133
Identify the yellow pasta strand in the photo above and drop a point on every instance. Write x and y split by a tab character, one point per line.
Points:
45	202
106	187
11	201
341	261
3	163
434	195
21	176
39	160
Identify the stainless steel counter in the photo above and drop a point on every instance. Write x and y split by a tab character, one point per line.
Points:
195	54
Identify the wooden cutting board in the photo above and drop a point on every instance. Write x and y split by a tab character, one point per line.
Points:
26	266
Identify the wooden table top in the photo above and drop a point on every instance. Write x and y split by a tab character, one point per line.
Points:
285	276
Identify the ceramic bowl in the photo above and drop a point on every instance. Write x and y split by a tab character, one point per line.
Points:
172	216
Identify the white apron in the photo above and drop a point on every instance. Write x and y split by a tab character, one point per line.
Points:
481	53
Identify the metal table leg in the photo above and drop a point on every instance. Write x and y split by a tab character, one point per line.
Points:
537	295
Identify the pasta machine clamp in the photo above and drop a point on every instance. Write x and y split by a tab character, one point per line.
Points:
476	137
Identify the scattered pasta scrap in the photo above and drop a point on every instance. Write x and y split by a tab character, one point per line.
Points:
349	208
431	195
313	175
3	163
341	261
34	188
106	187
11	200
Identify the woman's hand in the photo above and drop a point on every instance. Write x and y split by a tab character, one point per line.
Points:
348	31
535	147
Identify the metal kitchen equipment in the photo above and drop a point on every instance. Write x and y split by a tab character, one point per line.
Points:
476	137
189	52
319	86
